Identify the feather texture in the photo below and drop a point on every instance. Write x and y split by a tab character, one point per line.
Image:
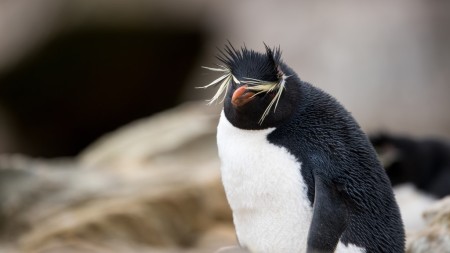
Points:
229	58
223	81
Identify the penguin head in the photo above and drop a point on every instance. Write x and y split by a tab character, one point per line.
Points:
259	91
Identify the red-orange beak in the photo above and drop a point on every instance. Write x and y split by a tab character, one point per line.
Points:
242	96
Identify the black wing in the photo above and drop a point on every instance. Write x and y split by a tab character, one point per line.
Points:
330	217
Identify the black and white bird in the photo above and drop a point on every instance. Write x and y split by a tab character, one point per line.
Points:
298	172
424	163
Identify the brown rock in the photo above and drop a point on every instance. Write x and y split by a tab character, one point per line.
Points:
232	249
152	185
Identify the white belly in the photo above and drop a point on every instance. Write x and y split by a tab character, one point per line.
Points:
265	190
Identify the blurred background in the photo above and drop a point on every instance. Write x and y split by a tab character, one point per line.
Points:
106	145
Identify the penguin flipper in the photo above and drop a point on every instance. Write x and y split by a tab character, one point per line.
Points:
330	217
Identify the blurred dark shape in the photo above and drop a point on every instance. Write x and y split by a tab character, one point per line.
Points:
425	163
88	81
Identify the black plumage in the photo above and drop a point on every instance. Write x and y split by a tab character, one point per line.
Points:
347	187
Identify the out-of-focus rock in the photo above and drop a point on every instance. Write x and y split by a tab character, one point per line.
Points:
185	132
152	186
220	234
438	213
232	249
412	204
436	236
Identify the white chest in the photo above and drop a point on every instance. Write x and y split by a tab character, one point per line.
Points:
265	190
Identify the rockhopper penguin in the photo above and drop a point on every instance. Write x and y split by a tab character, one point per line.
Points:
298	172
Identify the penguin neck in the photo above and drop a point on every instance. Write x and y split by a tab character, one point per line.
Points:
233	130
